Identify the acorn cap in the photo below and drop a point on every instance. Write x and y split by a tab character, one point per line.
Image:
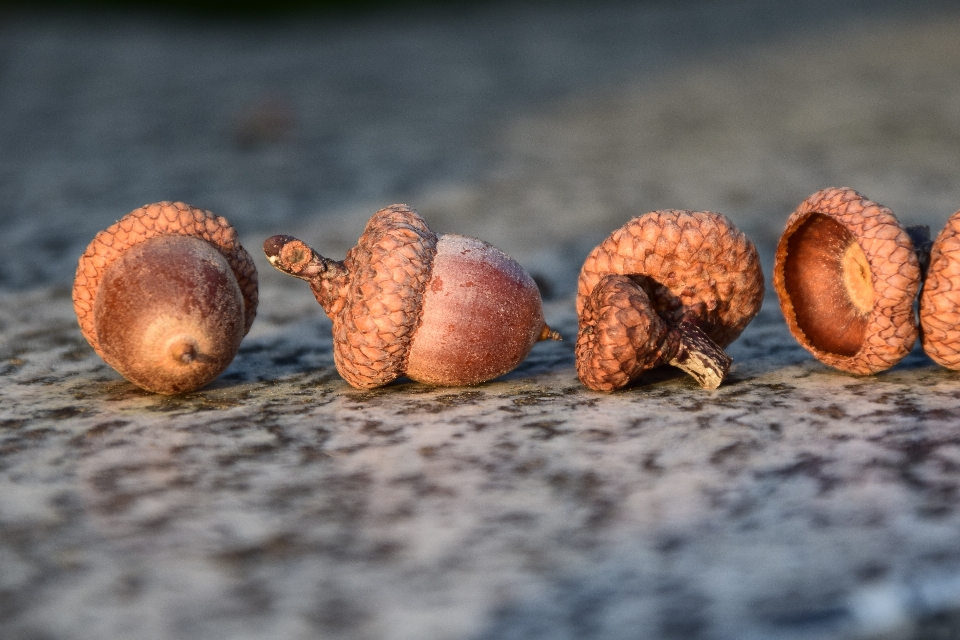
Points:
162	218
620	334
695	266
376	310
846	274
940	299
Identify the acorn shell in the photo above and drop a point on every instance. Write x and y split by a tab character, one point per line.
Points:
696	266
846	274
169	314
144	223
940	299
378	307
481	314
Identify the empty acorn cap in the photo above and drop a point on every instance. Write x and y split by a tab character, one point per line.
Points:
697	265
847	274
940	299
154	226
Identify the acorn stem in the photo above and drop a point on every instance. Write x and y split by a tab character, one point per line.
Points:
294	257
691	350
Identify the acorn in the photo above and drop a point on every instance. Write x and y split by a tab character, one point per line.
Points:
940	298
668	287
846	274
445	310
165	295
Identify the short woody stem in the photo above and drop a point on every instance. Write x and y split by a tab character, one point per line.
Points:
695	353
296	258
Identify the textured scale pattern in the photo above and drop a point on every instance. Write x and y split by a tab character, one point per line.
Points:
144	223
387	273
620	335
699	267
892	328
940	300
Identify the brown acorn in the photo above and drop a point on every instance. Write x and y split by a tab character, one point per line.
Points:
687	284
847	274
940	298
444	310
165	295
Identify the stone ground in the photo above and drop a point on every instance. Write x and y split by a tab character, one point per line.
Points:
793	502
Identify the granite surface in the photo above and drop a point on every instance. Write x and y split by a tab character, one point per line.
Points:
793	502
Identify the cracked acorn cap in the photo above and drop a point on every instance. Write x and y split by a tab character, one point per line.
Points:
847	274
444	310
940	298
687	284
165	295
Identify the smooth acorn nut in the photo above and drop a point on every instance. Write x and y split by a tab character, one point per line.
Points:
847	275
444	310
165	296
669	287
940	298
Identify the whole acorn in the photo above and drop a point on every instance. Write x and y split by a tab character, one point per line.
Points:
847	275
444	310
669	287
940	299
165	295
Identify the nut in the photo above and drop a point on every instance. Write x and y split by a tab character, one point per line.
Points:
693	283
443	310
165	295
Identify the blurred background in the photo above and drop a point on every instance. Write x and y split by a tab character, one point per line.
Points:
539	126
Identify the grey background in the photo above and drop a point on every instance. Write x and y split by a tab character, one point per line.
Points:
490	119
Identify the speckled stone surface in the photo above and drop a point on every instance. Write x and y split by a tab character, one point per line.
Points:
793	502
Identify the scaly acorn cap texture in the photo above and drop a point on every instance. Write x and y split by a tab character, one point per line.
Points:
161	218
372	296
376	303
621	337
940	299
698	274
847	275
624	337
442	310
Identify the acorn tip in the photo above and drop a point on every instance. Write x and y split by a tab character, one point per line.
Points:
549	334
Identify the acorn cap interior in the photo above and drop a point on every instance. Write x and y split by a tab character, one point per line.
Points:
847	275
828	279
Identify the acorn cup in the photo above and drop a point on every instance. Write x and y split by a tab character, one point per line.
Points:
444	310
669	287
165	295
847	274
940	298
